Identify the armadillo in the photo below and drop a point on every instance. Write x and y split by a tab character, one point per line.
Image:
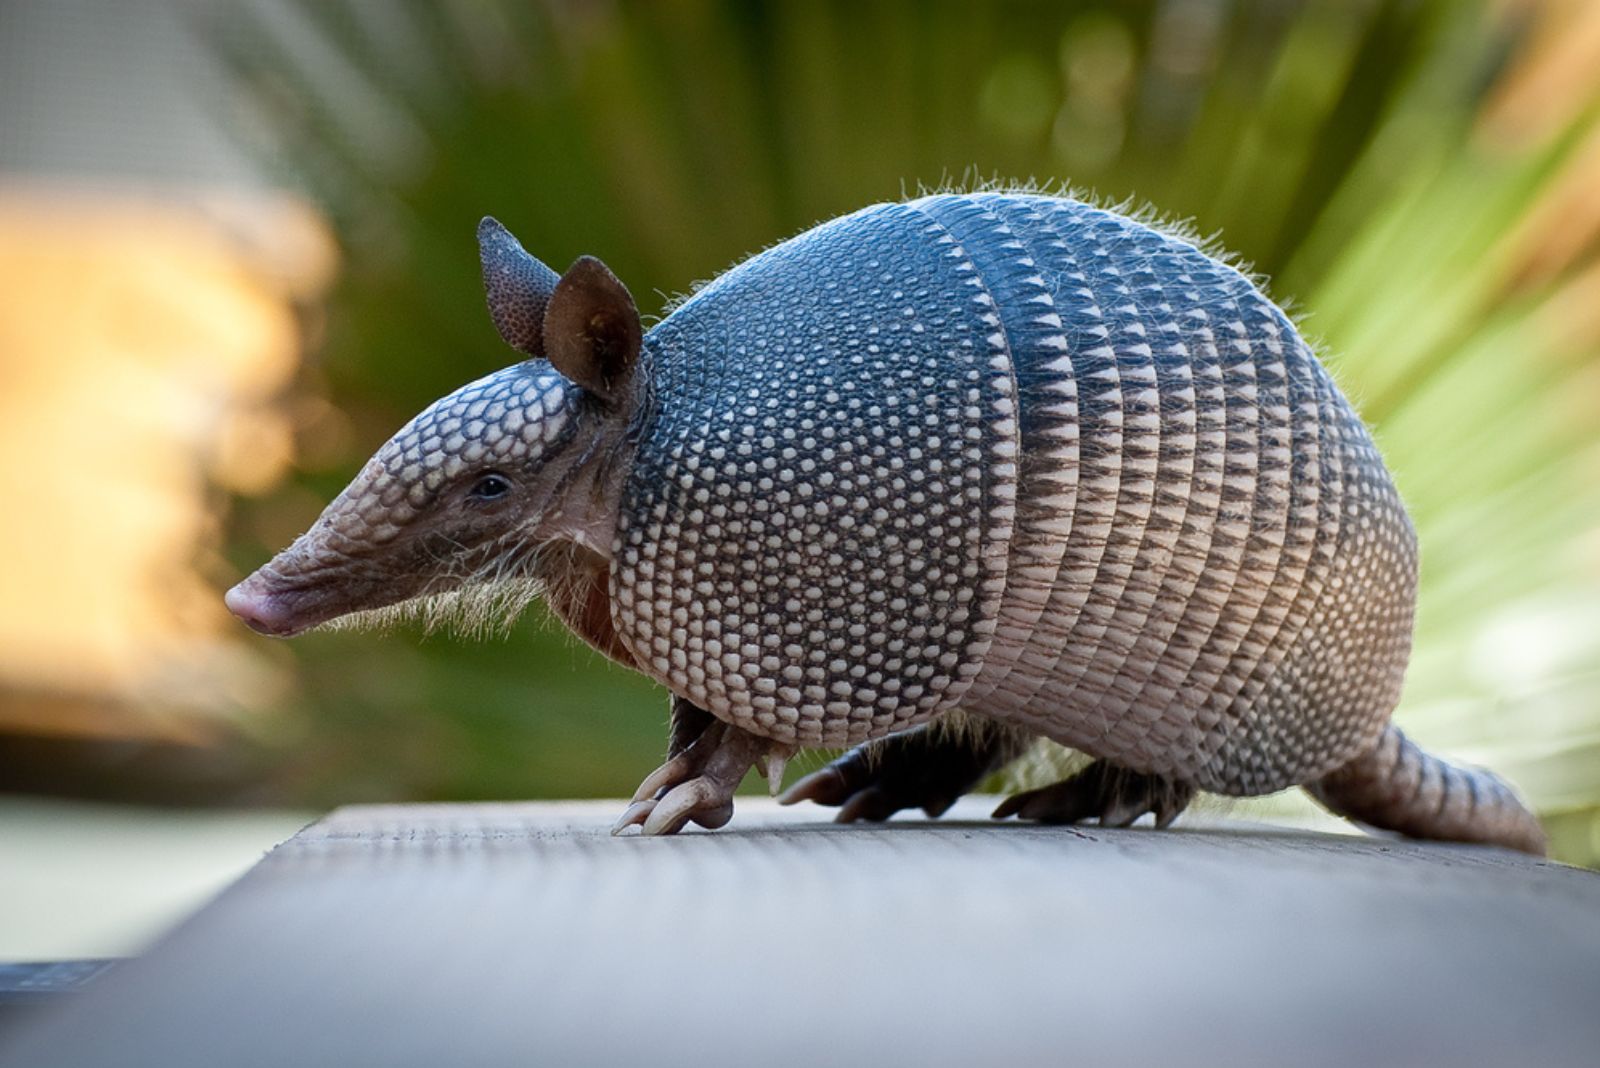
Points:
932	480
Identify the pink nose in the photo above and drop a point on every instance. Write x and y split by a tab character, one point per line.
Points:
261	612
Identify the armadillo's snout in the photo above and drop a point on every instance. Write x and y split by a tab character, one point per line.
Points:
261	611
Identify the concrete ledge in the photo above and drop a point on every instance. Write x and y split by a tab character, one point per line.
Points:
524	934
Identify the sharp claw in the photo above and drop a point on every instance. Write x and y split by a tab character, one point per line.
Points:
1009	807
697	782
871	804
1166	812
1172	803
824	786
1115	798
1120	813
658	825
671	772
675	809
1040	808
1045	805
635	813
771	767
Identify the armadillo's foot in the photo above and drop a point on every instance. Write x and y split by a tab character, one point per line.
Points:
927	768
697	784
1114	796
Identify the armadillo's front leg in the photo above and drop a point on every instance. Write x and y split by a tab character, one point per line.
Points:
1114	796
688	722
706	760
927	768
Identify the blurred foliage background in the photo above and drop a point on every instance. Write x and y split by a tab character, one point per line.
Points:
1419	178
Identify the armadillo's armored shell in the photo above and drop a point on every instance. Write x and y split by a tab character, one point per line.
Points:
1135	513
814	533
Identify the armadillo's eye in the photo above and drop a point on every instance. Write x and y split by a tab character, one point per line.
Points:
489	487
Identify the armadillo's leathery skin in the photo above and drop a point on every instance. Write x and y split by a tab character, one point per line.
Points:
1025	456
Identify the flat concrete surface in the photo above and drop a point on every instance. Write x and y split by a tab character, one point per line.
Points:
525	935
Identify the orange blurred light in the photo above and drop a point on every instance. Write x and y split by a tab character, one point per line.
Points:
144	347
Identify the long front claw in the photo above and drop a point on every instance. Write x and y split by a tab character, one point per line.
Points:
671	818
675	770
698	799
697	783
634	815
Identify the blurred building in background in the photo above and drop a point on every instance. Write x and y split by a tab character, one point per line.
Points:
150	323
236	252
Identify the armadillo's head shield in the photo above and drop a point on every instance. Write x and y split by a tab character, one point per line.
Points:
453	511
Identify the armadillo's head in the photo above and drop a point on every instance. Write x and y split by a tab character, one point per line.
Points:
466	496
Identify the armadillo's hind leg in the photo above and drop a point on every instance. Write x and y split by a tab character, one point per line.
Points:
927	767
1114	796
706	760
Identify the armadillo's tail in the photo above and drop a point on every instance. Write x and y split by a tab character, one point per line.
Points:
1399	787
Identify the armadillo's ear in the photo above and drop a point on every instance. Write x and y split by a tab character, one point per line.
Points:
592	332
518	287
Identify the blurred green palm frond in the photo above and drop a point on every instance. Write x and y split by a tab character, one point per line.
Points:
1420	179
